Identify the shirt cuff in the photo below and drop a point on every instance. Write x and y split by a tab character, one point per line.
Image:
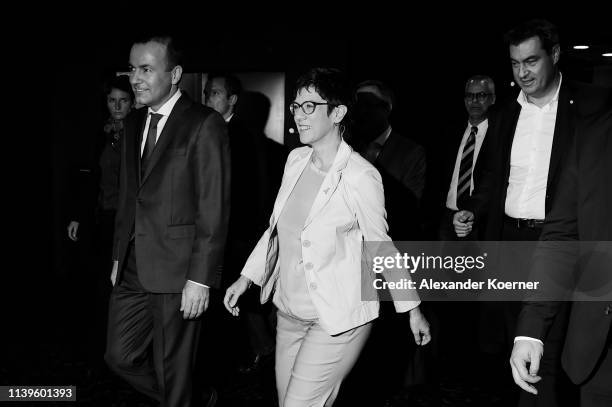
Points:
527	338
200	284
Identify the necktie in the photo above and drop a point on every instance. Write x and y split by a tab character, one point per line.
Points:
150	143
464	181
372	151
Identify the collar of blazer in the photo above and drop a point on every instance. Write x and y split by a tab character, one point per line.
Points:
296	164
173	122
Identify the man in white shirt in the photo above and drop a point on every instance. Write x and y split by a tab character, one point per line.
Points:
522	162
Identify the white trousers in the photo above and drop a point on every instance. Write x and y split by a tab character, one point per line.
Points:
310	363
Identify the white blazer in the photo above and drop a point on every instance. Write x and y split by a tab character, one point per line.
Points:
348	210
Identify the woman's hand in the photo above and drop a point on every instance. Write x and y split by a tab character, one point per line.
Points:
419	327
233	293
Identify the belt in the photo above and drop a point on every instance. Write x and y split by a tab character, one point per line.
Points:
525	223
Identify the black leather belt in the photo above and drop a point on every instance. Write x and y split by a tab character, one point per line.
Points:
525	223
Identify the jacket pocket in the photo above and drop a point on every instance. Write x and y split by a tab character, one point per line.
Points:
181	231
176	151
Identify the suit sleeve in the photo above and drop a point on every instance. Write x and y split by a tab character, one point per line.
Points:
210	164
487	174
555	257
414	178
369	202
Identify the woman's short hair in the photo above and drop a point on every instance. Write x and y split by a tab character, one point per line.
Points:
330	83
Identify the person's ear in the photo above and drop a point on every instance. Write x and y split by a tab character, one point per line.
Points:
232	100
556	52
339	113
176	73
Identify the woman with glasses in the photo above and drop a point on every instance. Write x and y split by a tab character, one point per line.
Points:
309	260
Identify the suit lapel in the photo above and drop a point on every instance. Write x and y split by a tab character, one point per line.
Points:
564	125
330	183
170	128
513	116
607	141
133	144
292	174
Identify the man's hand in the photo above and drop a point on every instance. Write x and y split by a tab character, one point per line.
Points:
419	327
523	352
233	293
194	300
114	272
73	230
463	221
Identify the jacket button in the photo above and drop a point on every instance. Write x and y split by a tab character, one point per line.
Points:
306	243
309	266
313	286
139	200
608	310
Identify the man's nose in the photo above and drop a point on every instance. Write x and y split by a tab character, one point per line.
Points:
523	71
117	105
134	77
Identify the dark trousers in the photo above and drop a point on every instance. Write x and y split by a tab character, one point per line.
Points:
597	391
555	388
149	344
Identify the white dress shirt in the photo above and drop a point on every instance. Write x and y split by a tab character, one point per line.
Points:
530	157
451	197
165	111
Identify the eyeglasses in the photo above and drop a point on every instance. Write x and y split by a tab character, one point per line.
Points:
480	96
307	107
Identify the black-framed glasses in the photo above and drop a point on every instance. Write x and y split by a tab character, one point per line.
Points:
307	107
480	96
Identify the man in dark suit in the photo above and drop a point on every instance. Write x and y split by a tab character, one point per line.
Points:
580	212
171	228
400	161
249	210
521	163
461	158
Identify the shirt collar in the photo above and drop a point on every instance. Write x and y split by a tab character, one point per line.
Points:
479	125
522	98
167	107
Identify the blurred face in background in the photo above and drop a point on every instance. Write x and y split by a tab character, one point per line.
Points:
478	98
217	97
119	103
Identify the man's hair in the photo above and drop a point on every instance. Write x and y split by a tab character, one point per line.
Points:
330	83
543	29
384	91
173	55
483	80
232	84
121	82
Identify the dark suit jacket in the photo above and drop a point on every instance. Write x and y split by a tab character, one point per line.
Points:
179	209
489	198
402	166
249	213
580	211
